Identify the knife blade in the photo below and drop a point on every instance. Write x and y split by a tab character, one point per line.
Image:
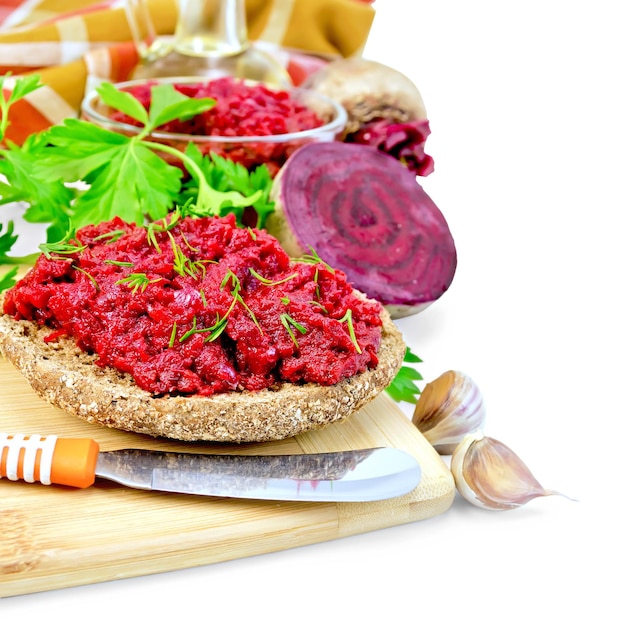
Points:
346	476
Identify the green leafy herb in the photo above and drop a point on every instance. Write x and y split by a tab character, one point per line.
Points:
77	173
219	327
112	236
8	279
318	305
402	388
314	258
269	282
60	249
7	239
227	176
18	183
125	175
21	88
348	319
88	275
137	280
231	276
173	335
118	263
183	265
194	330
288	321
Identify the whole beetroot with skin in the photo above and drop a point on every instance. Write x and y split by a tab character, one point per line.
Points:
364	212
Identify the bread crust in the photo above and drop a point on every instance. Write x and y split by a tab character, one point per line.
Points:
67	378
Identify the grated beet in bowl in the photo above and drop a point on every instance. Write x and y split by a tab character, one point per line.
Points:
250	124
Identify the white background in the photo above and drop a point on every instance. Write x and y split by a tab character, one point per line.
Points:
526	102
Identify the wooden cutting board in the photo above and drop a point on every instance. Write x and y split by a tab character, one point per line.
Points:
57	537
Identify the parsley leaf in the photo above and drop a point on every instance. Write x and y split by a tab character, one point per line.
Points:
18	165
225	175
125	178
21	88
7	239
77	173
8	279
402	387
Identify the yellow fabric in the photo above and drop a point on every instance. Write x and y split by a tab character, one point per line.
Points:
68	41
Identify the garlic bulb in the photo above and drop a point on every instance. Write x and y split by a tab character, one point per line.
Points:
491	476
449	407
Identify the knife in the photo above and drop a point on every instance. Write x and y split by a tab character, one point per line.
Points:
347	476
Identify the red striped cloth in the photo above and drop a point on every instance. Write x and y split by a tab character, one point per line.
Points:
71	43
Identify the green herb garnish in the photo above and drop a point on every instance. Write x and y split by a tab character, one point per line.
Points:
183	265
118	263
60	249
319	306
194	330
88	275
229	177
348	319
112	236
117	175
314	258
8	279
269	281
402	387
288	321
137	280
173	335
231	276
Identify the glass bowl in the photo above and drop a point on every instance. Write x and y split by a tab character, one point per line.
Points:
249	150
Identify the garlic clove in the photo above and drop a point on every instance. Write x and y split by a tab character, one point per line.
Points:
490	475
449	407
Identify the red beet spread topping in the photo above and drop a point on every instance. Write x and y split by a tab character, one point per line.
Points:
241	109
200	307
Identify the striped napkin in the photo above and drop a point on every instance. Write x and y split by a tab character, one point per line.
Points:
72	43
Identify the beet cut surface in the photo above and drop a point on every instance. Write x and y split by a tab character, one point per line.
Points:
364	212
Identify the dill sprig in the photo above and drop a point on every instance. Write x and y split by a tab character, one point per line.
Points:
218	328
194	330
162	226
235	292
288	322
137	281
112	236
173	334
269	281
88	275
314	258
348	319
118	263
60	249
319	305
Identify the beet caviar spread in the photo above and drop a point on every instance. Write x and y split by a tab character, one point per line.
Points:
241	109
200	306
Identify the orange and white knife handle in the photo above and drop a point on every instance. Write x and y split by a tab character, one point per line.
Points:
48	460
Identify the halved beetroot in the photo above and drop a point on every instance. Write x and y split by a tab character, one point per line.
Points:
363	212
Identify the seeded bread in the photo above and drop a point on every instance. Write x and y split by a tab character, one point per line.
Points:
67	378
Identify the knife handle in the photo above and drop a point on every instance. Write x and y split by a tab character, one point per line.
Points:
48	460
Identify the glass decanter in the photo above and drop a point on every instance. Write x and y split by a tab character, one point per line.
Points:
210	40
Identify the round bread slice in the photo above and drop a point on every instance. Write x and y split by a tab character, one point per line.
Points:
61	373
